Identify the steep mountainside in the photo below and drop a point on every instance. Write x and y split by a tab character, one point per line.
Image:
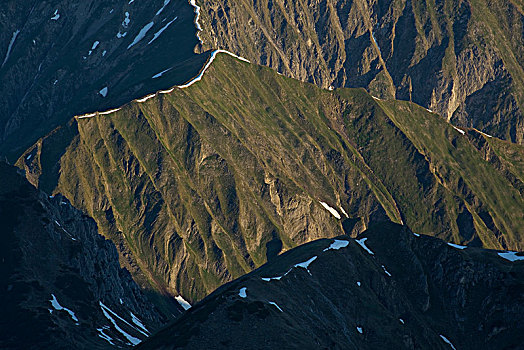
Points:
390	289
61	58
201	184
461	58
61	283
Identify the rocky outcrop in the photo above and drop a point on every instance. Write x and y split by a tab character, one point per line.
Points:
65	58
389	288
200	185
462	59
62	286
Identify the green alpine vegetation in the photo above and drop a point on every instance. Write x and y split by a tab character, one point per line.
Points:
200	185
461	58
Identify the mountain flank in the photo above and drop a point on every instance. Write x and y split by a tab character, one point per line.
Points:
201	184
462	59
388	288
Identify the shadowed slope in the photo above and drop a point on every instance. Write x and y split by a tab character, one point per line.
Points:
390	289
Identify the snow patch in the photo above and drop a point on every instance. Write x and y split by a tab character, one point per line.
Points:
376	43
275	304
121	35
363	245
337	244
333	211
105	336
401	320
56	15
103	92
208	64
358	283
144	99
511	256
197	13
108	312
459	130
166	2
10	46
457	246
141	34
447	341
267	279
242	292
28	157
306	264
416	234
183	302
95	45
344	212
386	271
157	34
126	20
138	322
359	329
109	111
162	72
58	307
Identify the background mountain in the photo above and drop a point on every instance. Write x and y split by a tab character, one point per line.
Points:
63	58
200	185
61	284
461	58
388	289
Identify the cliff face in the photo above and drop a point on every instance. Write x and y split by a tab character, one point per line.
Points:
200	185
388	289
462	59
61	281
61	58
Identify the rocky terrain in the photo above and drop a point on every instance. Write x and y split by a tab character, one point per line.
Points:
63	58
62	286
159	166
200	184
387	289
461	58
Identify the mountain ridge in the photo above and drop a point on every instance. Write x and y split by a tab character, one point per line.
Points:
388	287
187	179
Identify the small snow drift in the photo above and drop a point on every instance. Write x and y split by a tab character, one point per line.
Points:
511	256
333	211
363	245
337	244
183	302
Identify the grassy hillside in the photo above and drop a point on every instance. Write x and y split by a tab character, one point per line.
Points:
203	184
460	58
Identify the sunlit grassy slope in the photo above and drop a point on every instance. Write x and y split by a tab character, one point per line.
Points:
203	184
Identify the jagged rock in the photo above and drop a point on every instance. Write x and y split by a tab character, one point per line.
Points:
391	289
56	269
62	58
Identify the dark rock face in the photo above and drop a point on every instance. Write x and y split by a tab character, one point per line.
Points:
60	277
387	289
68	57
462	59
